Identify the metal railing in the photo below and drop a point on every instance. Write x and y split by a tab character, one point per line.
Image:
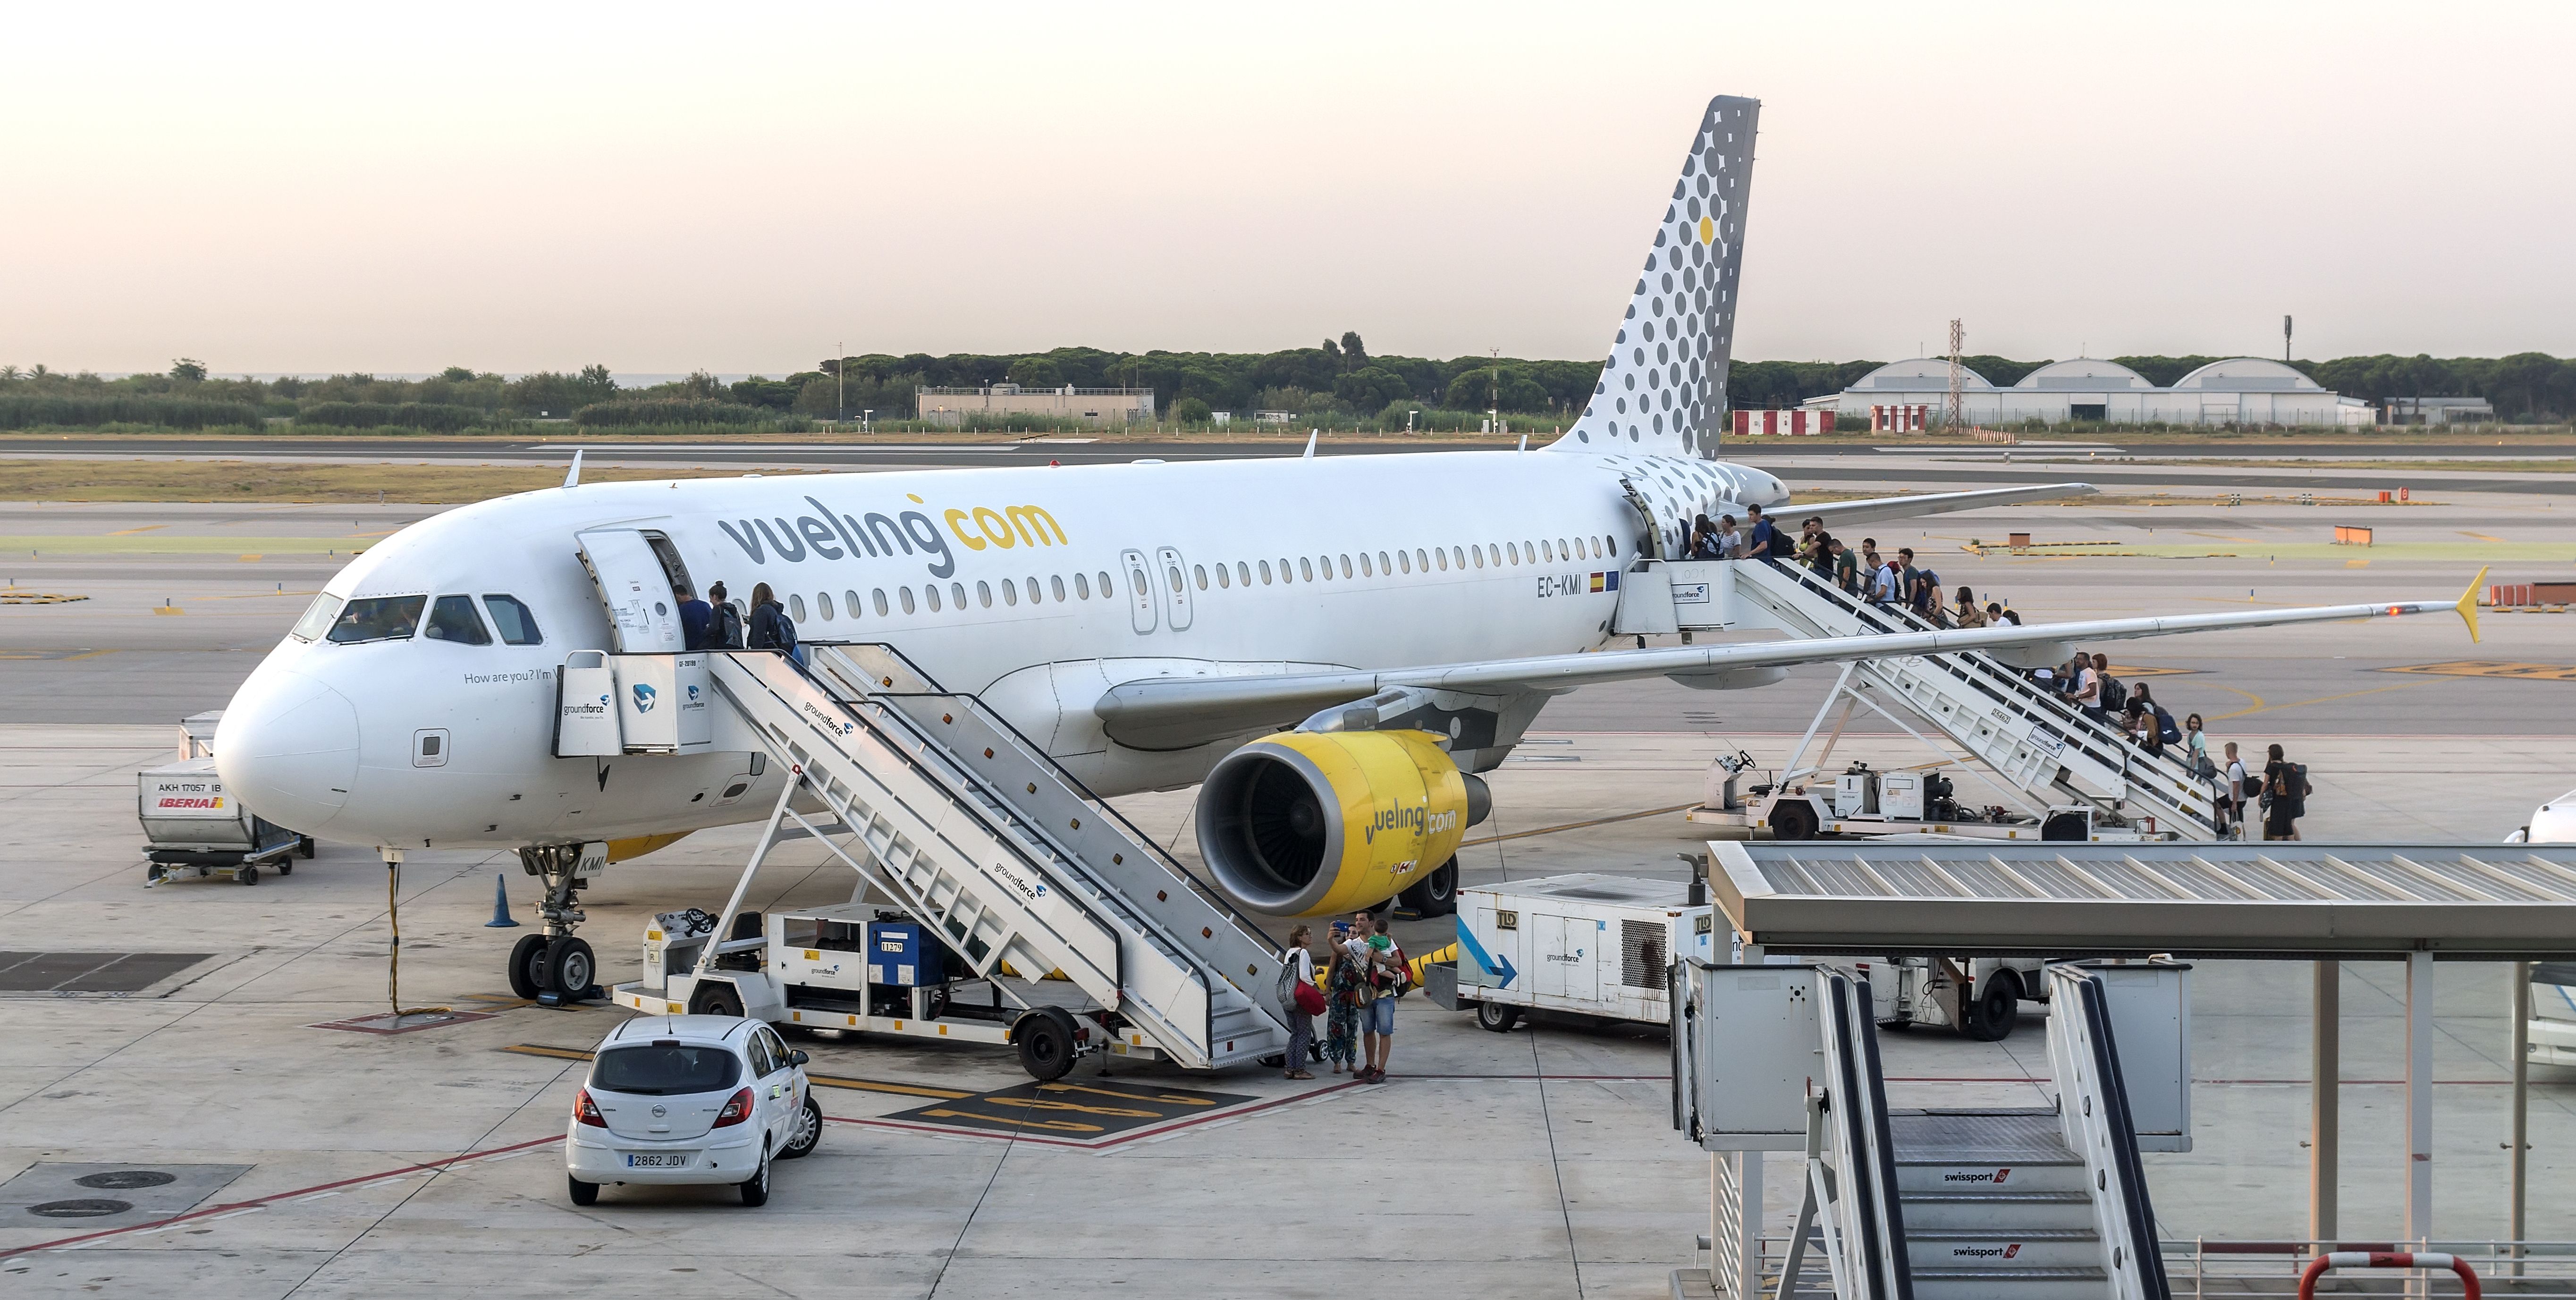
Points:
2203	1267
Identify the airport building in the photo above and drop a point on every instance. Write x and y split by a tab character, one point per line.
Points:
1102	406
2245	390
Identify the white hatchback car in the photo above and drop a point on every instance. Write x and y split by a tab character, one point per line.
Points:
690	1100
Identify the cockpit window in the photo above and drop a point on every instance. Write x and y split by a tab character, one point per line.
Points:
378	618
317	618
518	626
452	619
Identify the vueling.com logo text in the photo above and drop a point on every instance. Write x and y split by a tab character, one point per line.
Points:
1420	821
831	535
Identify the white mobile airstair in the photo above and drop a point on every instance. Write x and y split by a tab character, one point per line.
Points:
2027	735
1920	1204
977	834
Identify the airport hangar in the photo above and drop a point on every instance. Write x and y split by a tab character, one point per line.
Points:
2243	390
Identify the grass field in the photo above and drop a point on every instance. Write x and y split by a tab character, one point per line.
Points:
219	480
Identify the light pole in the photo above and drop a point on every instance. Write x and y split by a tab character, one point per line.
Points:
865	417
840	382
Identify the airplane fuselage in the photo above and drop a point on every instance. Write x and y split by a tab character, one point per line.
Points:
1037	588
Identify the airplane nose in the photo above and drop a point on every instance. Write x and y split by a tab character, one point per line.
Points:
288	748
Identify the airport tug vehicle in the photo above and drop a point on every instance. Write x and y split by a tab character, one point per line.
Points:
1598	946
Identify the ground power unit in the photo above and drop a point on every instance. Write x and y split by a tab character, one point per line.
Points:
1585	945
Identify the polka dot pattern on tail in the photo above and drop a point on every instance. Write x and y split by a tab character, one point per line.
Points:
1677	337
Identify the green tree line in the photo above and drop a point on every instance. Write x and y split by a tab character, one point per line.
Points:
1338	383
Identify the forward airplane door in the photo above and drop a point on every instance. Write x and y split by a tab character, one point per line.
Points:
636	570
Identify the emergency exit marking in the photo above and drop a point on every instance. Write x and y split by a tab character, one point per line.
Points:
1086	1110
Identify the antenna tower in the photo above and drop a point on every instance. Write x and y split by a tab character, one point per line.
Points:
1957	414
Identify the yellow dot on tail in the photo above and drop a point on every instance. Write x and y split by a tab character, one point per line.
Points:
1707	231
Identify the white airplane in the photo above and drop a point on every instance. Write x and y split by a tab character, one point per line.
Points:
1148	624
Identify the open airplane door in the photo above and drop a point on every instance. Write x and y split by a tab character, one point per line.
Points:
636	570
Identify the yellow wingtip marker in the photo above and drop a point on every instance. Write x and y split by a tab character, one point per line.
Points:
2468	605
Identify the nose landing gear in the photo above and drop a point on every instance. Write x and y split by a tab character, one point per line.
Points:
554	966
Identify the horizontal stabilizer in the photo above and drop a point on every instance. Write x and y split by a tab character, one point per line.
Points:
1839	513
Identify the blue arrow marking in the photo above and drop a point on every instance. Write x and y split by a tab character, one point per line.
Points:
1503	967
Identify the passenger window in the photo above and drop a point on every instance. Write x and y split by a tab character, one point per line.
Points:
1548	551
1479	553
823	604
1444	561
378	618
1365	570
1082	586
1382	566
796	608
906	594
1421	559
1458	554
1494	553
957	592
317	618
1561	546
1198	574
452	619
1011	592
1243	573
1306	567
983	594
1405	560
877	597
1346	566
1108	589
1512	550
850	602
1265	573
1224	579
1055	583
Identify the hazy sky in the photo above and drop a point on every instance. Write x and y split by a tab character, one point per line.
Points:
525	186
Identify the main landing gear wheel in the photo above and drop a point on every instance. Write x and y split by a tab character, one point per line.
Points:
1997	1009
1497	1017
808	1131
528	967
570	967
1044	1038
1435	894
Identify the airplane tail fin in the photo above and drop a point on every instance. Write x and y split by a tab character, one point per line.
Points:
1663	389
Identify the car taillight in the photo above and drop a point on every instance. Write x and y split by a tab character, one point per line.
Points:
736	1109
587	1111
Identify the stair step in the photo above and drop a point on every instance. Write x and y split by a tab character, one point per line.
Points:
2015	1250
2008	1174
1982	1211
1942	1283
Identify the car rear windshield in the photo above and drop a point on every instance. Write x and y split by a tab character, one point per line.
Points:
378	618
658	1071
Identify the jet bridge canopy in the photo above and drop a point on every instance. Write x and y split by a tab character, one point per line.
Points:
2503	902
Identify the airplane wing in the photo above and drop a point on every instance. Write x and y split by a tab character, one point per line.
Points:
1174	712
1838	513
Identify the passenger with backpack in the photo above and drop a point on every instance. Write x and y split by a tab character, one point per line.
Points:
2114	696
2285	796
1345	993
771	629
2239	785
1299	1000
724	632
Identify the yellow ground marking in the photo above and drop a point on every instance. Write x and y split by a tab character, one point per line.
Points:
2349	564
254	557
2480	536
2296	704
556	1053
13	596
132	531
1576	826
2490	668
168	609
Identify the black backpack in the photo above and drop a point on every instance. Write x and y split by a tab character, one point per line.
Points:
2115	697
728	627
786	633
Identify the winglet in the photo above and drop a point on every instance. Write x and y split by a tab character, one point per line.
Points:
1311	436
572	477
2468	605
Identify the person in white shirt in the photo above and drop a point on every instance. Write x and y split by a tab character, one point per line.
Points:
2234	795
1301	1027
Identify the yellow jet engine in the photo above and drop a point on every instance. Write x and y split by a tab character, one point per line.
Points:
1314	823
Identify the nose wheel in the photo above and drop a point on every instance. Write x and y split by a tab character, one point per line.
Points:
554	962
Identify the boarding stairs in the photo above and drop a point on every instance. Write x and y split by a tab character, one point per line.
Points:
1906	1204
977	833
2026	734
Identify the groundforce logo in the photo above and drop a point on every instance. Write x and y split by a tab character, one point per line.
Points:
1997	1177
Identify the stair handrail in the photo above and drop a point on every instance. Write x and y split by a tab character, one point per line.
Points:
2093	1113
1098	804
1854	1112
